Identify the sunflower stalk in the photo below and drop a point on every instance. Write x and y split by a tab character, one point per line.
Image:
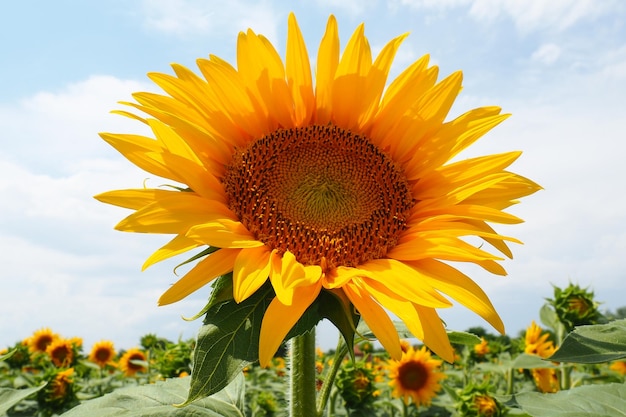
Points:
302	375
322	400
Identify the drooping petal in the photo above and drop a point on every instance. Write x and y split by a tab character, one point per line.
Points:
280	318
218	263
460	287
176	246
435	336
376	318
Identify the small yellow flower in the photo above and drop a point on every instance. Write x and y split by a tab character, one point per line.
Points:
60	385
40	340
416	376
482	348
538	343
183	374
486	406
102	353
619	366
61	352
126	362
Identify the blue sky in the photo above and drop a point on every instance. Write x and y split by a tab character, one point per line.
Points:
559	67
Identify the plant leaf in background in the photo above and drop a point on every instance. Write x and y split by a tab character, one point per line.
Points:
593	344
156	400
586	401
9	396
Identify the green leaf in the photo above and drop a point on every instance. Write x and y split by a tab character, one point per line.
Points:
10	397
156	400
607	400
7	355
593	344
526	361
227	342
463	338
549	318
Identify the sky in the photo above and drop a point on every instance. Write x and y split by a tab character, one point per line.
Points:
558	66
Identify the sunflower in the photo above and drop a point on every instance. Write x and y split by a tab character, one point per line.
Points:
415	376
345	185
481	349
129	362
102	353
61	352
41	339
537	343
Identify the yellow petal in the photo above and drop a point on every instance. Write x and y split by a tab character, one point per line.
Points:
174	247
460	287
280	318
134	198
376	318
175	215
327	62
435	336
298	69
211	267
403	280
223	233
141	151
252	269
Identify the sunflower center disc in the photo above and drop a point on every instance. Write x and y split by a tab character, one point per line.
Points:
327	195
412	376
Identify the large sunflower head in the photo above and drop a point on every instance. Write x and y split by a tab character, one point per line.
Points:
344	185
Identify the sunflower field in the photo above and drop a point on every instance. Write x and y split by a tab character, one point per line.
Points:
573	363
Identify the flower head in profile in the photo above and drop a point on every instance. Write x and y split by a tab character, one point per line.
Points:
347	185
416	376
538	343
132	361
102	353
476	401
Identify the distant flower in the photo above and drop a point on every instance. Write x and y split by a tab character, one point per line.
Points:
416	376
40	340
58	395
356	384
102	353
481	349
61	352
130	362
476	401
619	366
486	406
538	343
345	184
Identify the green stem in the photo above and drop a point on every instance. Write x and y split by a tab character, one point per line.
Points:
302	375
342	350
510	378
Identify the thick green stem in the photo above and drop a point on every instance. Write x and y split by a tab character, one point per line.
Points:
302	375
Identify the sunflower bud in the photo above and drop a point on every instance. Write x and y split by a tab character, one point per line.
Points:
575	306
475	401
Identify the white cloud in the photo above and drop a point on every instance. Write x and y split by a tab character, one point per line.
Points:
186	18
547	54
531	15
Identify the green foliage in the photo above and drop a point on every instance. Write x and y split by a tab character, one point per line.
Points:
9	397
587	401
156	400
594	344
